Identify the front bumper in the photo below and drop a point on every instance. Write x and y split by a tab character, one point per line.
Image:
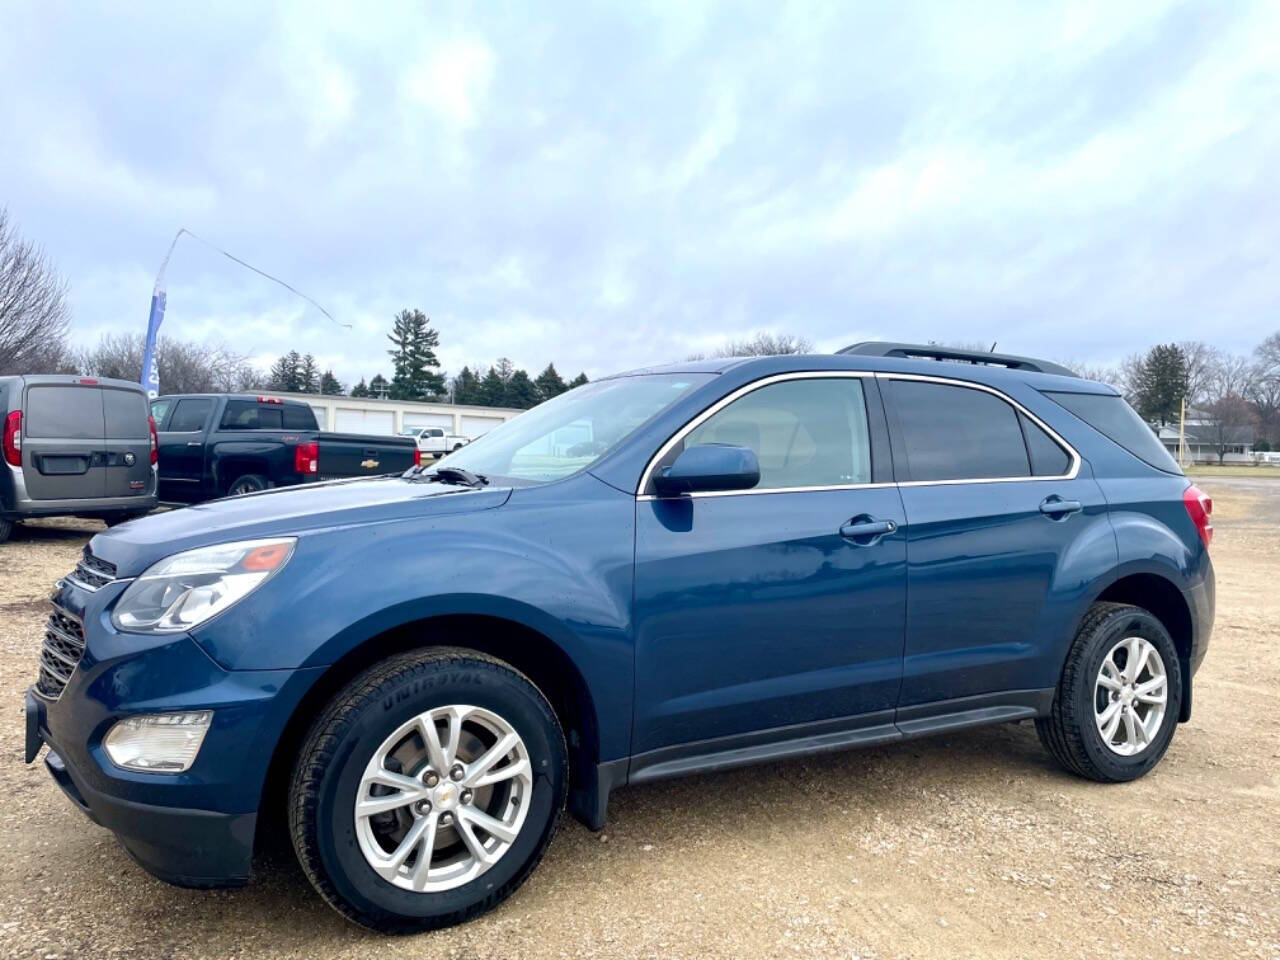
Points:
191	848
194	828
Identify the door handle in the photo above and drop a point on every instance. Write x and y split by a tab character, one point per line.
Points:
1055	508
864	527
193	443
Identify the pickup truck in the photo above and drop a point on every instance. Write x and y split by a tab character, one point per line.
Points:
219	445
435	440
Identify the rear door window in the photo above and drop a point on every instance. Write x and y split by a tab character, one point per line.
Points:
952	432
1115	419
125	412
189	416
62	412
158	410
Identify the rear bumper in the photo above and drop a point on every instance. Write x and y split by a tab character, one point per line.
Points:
15	503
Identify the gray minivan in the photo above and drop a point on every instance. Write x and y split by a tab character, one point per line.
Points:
75	446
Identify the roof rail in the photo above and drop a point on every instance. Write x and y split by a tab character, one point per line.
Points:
917	351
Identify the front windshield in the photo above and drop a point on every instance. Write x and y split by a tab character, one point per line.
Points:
571	431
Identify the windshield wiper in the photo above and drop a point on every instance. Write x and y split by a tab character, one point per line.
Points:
452	475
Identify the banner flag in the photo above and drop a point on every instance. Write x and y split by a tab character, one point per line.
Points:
150	368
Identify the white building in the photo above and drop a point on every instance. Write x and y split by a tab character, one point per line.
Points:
373	416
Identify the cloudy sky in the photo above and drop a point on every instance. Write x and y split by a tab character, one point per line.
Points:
607	188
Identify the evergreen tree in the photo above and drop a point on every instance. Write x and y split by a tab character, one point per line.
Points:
521	392
286	373
1160	383
549	383
493	389
466	387
413	357
578	381
379	387
308	375
505	368
329	384
361	389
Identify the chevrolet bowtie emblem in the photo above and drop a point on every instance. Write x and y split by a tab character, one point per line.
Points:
368	464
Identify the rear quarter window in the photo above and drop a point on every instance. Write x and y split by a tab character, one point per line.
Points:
63	412
1112	417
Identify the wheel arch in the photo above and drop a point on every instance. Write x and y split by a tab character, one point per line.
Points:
529	650
1158	594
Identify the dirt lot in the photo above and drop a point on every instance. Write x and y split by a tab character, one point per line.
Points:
966	845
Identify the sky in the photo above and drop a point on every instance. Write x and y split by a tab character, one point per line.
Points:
607	186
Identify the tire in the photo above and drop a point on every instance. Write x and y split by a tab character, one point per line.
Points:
1071	733
348	741
115	519
249	483
6	528
457	447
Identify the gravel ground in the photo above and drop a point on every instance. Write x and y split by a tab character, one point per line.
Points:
968	845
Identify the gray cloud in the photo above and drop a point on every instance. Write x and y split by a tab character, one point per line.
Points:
611	188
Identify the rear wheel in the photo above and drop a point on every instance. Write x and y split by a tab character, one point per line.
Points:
1118	702
6	528
249	483
428	790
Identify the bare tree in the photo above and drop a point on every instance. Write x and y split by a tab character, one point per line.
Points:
184	367
34	317
763	344
1200	360
1266	389
1228	383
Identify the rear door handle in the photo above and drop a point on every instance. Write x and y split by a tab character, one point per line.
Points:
1056	508
863	528
194	443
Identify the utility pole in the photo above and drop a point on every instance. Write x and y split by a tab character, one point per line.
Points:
1182	433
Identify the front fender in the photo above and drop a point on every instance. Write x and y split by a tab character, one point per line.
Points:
557	561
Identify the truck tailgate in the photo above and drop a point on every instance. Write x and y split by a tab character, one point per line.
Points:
356	455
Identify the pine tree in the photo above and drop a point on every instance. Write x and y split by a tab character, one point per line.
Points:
578	381
414	358
521	392
308	376
466	387
329	384
286	373
493	389
1161	383
361	389
549	383
379	387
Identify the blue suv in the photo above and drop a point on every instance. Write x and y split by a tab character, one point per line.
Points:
669	571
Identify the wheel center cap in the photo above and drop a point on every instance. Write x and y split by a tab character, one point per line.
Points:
445	796
1127	694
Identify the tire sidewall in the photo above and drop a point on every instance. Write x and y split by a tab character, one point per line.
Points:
254	484
1122	624
384	710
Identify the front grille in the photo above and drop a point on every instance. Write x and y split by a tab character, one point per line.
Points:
61	652
92	573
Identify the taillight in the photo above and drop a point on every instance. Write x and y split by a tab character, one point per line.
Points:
417	457
13	439
306	458
1200	508
155	441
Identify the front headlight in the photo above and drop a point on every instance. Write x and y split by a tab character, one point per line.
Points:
185	590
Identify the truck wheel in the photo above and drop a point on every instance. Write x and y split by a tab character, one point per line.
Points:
428	790
1118	701
457	447
249	483
6	528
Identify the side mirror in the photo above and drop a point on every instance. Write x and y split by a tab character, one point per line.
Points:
707	467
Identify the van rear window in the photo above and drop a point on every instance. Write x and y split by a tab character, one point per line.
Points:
69	412
1115	419
125	412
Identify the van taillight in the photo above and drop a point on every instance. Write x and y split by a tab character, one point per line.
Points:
1200	508
13	439
155	441
306	458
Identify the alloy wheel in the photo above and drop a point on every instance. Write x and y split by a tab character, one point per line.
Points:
1130	695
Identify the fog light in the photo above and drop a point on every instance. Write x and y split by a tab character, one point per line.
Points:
158	742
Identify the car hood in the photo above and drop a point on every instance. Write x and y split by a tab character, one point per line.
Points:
284	511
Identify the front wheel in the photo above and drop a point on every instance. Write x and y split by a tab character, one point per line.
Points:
1118	701
428	790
